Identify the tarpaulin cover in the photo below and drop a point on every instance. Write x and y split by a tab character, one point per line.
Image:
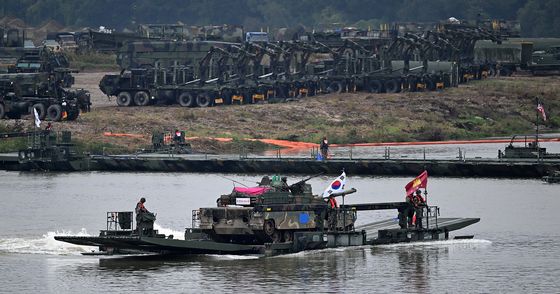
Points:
253	191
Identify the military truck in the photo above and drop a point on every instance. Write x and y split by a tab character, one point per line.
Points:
21	93
545	61
43	60
271	212
66	40
11	47
219	76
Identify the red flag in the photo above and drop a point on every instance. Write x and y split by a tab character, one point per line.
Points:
540	108
420	181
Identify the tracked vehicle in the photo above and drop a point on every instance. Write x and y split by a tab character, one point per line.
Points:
271	212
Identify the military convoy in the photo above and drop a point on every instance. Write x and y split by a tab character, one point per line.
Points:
210	73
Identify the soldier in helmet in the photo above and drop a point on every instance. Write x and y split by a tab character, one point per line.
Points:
419	204
140	210
409	211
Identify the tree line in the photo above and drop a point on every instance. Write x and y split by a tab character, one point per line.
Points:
538	18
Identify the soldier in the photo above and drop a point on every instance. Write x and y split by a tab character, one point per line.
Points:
140	210
324	148
409	212
177	138
419	204
285	187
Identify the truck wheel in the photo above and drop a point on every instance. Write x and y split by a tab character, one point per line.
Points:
186	99
288	236
269	227
41	110
392	86
226	95
276	237
141	98
412	84
505	72
54	112
2	111
375	86
124	99
203	100
492	71
335	87
430	84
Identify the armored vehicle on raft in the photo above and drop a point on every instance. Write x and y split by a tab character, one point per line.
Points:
271	212
272	218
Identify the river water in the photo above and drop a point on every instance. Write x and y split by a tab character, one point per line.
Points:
515	249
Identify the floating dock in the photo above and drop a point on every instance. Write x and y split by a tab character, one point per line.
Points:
204	163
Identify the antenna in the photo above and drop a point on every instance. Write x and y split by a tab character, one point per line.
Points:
234	181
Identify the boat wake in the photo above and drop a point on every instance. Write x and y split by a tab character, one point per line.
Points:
308	253
414	245
232	257
442	243
44	245
48	245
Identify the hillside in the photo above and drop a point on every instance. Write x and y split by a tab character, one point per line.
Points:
538	18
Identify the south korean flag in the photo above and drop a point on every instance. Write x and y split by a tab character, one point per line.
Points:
336	186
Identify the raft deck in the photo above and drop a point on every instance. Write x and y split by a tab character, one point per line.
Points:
382	232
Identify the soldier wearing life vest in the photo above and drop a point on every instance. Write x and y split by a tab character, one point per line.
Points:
409	212
419	204
140	210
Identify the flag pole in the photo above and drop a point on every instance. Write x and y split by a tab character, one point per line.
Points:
537	123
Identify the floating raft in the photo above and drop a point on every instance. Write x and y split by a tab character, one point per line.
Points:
383	232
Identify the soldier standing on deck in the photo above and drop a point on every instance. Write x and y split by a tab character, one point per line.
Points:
324	148
409	212
140	210
419	204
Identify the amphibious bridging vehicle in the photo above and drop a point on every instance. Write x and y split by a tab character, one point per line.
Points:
273	218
